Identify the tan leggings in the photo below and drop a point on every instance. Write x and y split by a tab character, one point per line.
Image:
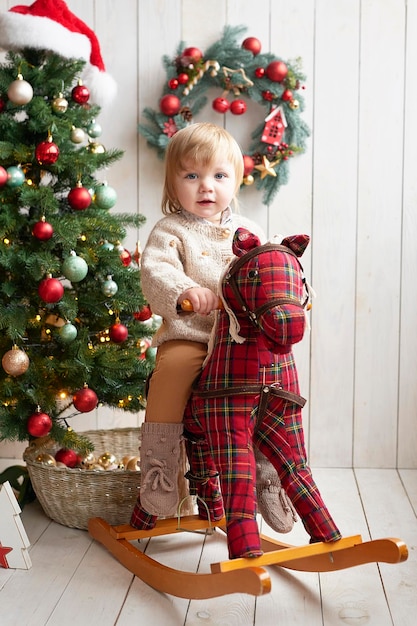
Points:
177	365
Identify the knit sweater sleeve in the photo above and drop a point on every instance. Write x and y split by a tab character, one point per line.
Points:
163	274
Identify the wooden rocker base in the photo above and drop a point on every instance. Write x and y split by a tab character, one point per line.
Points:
237	575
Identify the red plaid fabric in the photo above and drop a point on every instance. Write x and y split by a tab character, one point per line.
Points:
228	425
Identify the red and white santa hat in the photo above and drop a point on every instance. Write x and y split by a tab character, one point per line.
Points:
50	25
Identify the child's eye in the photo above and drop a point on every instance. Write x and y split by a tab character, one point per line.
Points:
191	176
220	175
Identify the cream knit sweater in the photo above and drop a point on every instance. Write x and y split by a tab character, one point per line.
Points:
186	251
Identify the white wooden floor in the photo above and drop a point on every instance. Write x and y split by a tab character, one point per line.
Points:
75	581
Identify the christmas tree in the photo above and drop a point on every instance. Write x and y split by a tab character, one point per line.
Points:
74	325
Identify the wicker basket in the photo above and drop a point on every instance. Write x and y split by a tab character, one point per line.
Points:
71	496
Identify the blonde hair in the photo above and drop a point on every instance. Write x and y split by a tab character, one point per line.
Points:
199	143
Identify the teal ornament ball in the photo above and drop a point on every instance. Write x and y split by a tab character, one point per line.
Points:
94	129
109	287
107	245
105	197
16	176
67	333
74	268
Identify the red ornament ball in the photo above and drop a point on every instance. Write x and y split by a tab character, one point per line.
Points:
50	290
260	72
118	332
252	44
169	104
80	94
47	153
173	83
4	176
286	95
79	198
182	78
221	105
67	456
276	71
191	55
42	230
238	107
248	165
144	314
39	424
85	400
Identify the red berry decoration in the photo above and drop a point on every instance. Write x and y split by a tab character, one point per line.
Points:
221	105
67	457
238	107
173	83
276	71
252	44
42	230
39	424
144	314
85	400
4	176
170	104
191	55
50	290
80	94
268	95
47	152
79	198
260	72
248	165
118	332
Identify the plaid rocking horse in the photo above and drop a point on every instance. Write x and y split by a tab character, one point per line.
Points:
247	396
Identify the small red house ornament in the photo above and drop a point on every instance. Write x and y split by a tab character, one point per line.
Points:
275	124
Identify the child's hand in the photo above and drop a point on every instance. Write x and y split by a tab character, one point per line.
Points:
203	300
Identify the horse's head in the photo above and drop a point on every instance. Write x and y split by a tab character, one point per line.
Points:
265	284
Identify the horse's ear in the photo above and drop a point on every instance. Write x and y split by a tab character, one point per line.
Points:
244	240
296	243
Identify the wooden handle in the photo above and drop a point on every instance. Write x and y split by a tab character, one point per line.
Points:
187	306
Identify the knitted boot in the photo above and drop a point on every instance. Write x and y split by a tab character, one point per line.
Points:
159	465
273	503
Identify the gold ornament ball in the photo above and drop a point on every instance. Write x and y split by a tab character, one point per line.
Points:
97	467
133	465
15	362
107	459
60	104
248	180
88	461
46	459
95	148
294	104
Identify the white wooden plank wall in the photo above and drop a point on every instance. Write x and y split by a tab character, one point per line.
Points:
354	192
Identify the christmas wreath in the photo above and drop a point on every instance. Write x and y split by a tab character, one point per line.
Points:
242	72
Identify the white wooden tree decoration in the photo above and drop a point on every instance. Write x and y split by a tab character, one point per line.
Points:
14	542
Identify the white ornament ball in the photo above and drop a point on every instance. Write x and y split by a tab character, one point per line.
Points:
20	91
77	135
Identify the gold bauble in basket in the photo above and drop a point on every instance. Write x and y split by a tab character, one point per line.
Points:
72	496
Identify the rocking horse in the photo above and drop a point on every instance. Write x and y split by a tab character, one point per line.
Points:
247	398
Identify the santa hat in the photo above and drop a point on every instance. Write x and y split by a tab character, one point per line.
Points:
50	25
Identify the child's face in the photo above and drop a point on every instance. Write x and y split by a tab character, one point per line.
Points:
206	190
